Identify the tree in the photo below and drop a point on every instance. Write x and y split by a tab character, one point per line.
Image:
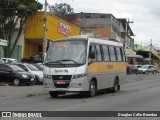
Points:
12	13
63	11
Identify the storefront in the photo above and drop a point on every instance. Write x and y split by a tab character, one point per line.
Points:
34	32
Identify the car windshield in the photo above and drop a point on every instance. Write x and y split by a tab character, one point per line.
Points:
39	66
16	61
145	67
1	61
67	52
16	68
32	67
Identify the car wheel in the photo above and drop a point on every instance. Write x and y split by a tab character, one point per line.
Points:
116	86
92	89
153	72
16	82
53	94
35	81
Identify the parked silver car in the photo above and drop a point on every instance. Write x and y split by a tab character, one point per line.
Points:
145	69
133	69
32	69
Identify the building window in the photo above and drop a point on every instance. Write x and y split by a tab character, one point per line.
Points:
88	16
103	16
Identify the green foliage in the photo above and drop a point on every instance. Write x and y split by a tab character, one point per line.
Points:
63	11
12	12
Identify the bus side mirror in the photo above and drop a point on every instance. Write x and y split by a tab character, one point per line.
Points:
92	55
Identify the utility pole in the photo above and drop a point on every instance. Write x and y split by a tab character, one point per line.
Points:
45	30
150	53
126	34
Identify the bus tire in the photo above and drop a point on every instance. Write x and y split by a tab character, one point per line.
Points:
116	86
92	89
53	94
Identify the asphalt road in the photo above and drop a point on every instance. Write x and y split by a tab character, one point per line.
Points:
141	95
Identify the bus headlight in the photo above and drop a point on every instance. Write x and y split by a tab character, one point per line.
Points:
47	76
78	76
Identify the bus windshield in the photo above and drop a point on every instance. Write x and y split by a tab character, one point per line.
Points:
68	52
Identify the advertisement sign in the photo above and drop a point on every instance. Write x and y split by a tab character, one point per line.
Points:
63	28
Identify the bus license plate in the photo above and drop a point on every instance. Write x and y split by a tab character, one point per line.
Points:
60	82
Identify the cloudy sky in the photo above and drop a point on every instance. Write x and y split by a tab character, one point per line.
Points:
144	13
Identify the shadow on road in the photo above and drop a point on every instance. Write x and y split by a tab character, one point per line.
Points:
82	95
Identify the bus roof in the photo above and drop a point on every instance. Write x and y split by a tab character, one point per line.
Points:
107	42
94	40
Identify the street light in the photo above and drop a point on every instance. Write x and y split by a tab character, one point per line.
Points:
45	30
150	53
126	34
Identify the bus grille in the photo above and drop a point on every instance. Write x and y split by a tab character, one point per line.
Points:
59	78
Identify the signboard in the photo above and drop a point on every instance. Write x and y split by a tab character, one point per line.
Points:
63	28
3	42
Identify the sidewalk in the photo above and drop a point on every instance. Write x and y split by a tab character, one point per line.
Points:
7	92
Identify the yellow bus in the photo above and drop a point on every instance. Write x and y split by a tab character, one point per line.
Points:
85	65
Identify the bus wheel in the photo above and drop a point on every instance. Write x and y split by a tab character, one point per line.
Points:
92	89
53	94
116	86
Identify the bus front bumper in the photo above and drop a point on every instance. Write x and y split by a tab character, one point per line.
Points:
74	86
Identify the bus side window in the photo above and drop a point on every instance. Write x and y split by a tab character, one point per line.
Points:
122	54
112	53
119	55
99	53
92	49
106	56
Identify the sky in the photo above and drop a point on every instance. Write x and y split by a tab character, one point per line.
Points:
145	15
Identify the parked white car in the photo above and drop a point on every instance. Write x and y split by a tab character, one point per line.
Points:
32	69
10	60
145	69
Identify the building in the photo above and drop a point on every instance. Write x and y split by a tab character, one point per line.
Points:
105	26
127	34
34	32
150	54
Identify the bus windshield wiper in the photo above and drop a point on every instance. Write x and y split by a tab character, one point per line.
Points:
70	60
56	62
